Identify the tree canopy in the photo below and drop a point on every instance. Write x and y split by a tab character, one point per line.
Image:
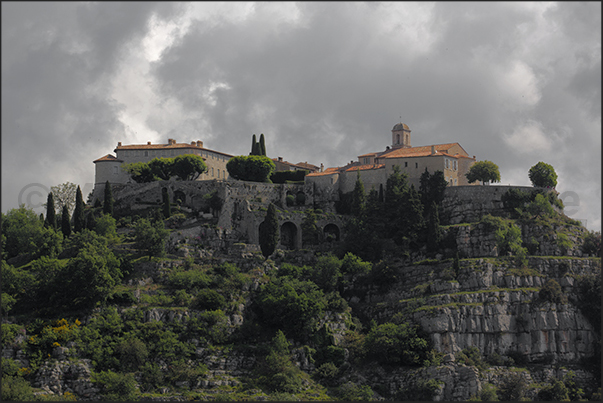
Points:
483	171
185	167
255	168
543	175
269	232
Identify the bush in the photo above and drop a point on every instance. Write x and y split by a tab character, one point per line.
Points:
208	299
397	344
512	388
551	292
422	390
116	386
284	176
256	168
592	244
351	392
471	356
189	280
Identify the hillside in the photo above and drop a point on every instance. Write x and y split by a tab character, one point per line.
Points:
492	294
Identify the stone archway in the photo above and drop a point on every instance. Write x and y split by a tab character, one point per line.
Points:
289	235
331	233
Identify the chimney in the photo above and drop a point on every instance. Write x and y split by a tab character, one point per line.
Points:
280	159
171	141
119	145
148	143
322	167
193	143
433	150
199	144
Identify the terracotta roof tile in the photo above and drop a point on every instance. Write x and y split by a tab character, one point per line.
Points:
328	171
108	157
421	151
365	167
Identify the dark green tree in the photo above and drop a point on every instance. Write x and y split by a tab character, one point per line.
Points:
140	172
484	171
434	232
310	233
188	167
78	213
254	146
65	222
108	201
543	175
51	219
358	197
262	148
432	188
256	168
162	168
23	233
150	237
269	233
397	344
167	209
64	194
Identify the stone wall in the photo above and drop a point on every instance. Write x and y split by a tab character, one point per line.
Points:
490	306
466	204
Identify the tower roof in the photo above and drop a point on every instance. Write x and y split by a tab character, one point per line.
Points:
400	126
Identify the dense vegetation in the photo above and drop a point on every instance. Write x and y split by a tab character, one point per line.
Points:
94	289
184	167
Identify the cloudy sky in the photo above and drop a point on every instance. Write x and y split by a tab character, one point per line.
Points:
513	83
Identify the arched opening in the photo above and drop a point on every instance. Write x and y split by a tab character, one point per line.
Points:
331	232
290	198
288	235
397	139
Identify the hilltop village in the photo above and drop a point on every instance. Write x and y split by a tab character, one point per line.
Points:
165	290
374	167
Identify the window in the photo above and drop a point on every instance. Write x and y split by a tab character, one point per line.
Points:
397	139
218	174
406	164
212	171
454	163
146	153
416	164
447	163
115	171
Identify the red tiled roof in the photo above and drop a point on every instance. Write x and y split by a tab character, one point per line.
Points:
108	157
328	171
421	151
367	155
365	167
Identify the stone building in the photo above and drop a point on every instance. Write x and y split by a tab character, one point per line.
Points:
281	165
375	167
109	167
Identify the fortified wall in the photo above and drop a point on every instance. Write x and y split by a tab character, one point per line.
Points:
244	206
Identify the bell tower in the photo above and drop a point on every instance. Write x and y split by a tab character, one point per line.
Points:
400	136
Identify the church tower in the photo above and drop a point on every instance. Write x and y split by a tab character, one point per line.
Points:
400	136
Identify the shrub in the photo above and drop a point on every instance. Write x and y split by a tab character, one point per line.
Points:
551	292
116	386
256	168
592	243
189	280
397	344
351	392
421	390
512	388
208	299
488	393
132	354
471	356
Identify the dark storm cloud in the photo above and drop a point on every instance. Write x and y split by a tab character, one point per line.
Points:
57	61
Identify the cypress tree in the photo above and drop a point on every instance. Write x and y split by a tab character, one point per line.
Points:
42	218
65	222
254	146
358	197
269	232
262	150
434	233
51	219
167	209
108	202
78	213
